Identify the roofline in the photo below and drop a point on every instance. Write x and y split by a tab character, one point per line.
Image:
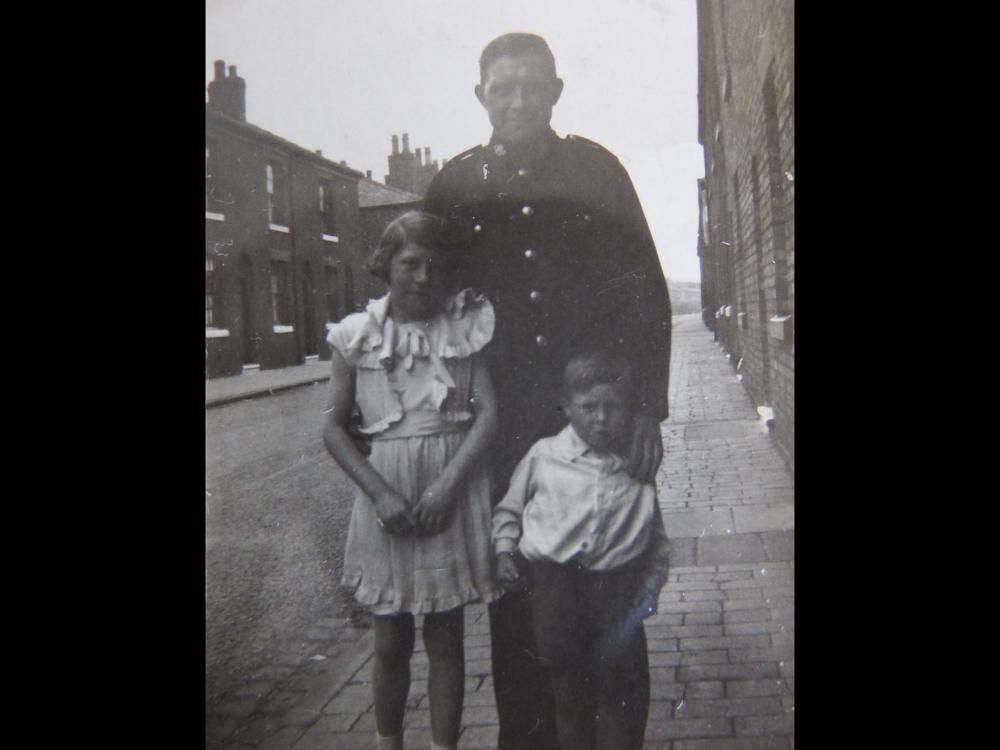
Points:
255	131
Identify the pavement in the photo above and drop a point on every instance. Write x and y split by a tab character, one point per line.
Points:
256	382
721	647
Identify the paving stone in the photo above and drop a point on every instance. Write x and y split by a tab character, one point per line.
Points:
704	596
297	717
766	653
695	708
417	719
476	715
314	740
283	739
780	545
479	737
731	548
273	673
237	708
676	728
751	688
689	658
700	606
746	615
682	551
782	724
704	689
660	644
702	618
480	698
779	517
256	689
730	743
750	670
698	523
744	628
726	641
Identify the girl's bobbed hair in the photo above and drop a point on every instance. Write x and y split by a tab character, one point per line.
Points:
416	227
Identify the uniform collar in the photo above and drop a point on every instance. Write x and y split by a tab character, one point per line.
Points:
522	156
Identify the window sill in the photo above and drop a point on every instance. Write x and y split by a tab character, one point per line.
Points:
214	216
216	333
283	329
278	228
331	238
780	327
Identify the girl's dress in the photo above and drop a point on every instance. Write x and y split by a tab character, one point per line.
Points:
412	388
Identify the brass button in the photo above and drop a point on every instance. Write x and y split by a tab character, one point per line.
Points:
586	217
535	295
477	228
530	254
541	341
522	172
527	210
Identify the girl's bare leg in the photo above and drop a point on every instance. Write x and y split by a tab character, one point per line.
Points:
394	636
443	636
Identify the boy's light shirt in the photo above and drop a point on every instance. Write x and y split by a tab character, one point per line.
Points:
568	501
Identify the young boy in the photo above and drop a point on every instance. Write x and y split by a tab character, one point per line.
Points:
591	540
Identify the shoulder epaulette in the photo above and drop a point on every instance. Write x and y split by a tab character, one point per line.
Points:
585	141
463	156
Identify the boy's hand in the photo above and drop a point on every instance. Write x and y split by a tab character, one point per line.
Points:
646	449
507	573
645	601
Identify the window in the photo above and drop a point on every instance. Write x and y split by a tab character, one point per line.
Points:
326	207
280	309
213	297
277	206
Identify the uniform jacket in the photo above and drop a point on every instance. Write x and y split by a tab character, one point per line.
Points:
557	240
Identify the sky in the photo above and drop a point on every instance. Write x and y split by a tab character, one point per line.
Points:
345	75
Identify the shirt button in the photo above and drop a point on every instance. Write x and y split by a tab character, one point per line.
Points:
586	217
535	295
527	210
522	172
477	228
529	254
541	341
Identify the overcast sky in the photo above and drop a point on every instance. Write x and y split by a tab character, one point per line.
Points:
344	75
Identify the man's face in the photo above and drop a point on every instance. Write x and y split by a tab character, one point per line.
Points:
600	415
518	94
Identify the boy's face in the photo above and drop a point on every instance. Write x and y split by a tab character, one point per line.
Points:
601	415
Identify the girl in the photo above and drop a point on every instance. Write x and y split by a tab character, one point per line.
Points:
419	537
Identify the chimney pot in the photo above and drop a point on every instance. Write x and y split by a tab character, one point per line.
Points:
232	71
427	154
368	174
319	151
406	143
344	163
220	69
395	144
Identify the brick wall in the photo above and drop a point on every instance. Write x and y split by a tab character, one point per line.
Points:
243	245
746	246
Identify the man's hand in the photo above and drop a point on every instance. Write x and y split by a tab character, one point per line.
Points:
646	449
433	511
393	512
507	573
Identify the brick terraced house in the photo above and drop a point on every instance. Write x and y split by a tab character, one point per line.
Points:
746	240
284	243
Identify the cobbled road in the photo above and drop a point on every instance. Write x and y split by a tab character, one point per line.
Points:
277	509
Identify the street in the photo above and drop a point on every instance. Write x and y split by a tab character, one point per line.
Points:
277	509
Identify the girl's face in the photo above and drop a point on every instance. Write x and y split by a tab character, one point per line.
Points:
416	283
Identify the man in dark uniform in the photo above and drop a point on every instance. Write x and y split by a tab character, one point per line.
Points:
551	231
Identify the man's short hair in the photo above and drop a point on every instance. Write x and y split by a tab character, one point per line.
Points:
515	44
414	227
597	365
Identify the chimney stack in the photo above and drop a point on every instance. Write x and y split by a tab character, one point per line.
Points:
368	175
427	155
395	145
228	94
420	157
406	143
319	152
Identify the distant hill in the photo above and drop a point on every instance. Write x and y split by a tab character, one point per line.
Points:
685	296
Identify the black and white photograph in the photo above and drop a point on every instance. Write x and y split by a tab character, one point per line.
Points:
499	374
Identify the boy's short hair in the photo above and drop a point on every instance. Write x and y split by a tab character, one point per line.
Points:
417	227
597	365
515	44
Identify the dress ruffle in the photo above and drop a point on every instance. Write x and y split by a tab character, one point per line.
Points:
372	340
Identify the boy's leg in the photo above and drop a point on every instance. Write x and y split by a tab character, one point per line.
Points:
394	636
562	623
443	633
621	665
525	705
